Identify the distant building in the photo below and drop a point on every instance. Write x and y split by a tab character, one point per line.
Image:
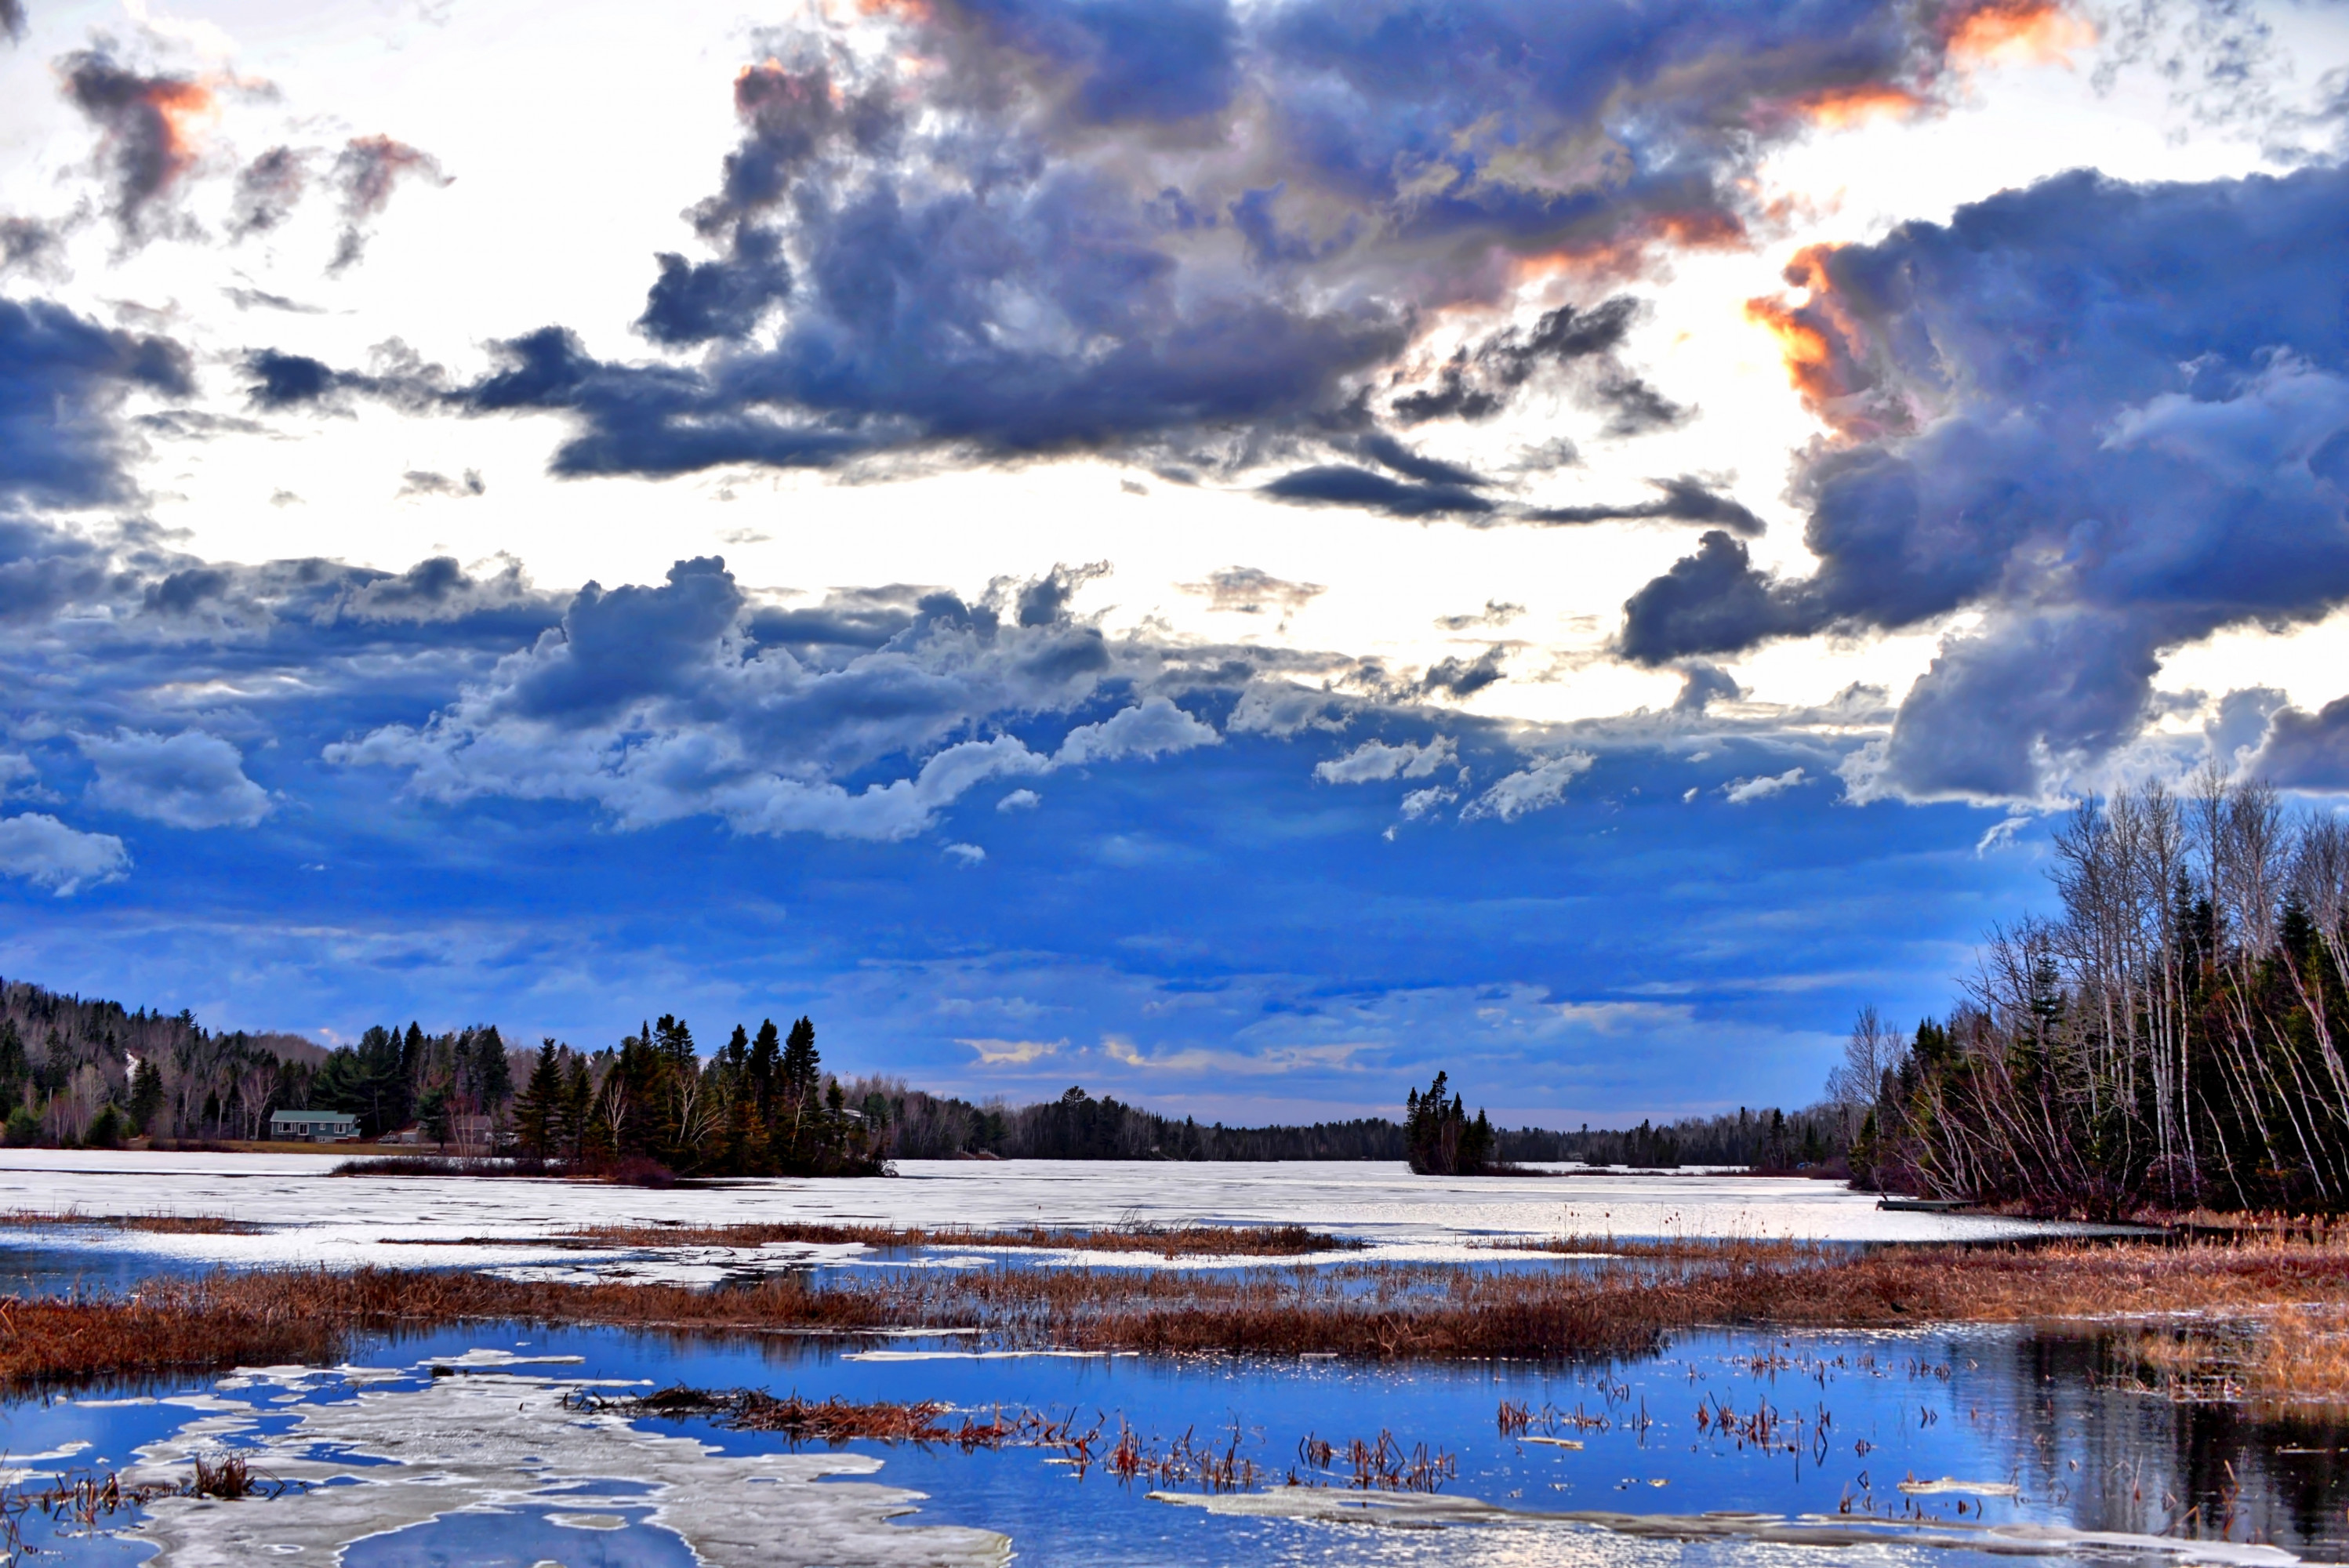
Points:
312	1126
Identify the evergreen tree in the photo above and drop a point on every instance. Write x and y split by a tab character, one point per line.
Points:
539	1107
146	1093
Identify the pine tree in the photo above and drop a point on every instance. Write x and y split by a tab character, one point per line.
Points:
539	1103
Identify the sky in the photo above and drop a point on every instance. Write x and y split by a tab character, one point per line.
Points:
1233	554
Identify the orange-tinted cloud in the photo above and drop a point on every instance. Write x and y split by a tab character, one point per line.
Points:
1624	252
1820	343
2015	32
1836	108
151	125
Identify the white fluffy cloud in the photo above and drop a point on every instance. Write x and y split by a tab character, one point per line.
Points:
1529	789
1741	791
1374	761
191	780
47	854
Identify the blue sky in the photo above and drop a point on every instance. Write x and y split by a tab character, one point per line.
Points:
1233	554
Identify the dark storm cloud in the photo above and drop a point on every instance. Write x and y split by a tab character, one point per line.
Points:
1476	383
1385	450
693	303
62	381
1338	484
2306	750
1702	685
1684	499
12	20
2184	352
145	123
846	619
1463	677
1191	230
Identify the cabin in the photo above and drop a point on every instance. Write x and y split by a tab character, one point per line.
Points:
312	1126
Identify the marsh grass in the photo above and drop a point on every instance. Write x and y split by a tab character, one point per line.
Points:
157	1224
1165	1241
1168	1242
1360	1311
2293	1358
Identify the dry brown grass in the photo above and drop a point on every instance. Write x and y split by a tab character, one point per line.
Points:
1365	1311
159	1224
1167	1241
2294	1355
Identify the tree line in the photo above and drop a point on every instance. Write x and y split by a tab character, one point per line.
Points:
77	1070
2172	1037
74	1071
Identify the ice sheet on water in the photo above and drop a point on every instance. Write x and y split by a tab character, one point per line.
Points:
1421	1511
314	1219
501	1442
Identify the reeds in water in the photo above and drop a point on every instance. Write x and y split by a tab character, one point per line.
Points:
1365	1311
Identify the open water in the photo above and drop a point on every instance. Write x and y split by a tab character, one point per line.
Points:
499	1445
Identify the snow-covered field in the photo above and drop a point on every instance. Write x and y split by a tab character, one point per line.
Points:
308	1217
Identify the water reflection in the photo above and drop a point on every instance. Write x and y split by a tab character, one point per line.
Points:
2090	1434
1826	1425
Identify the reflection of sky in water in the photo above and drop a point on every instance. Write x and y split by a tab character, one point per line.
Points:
2011	1406
519	1539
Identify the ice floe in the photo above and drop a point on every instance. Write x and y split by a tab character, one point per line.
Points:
498	1441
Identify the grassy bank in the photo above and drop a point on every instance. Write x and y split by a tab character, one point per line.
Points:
2282	1300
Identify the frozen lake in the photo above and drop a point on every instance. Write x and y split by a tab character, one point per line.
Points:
310	1217
483	1445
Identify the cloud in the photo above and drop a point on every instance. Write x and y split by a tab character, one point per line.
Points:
1374	761
1152	727
1246	591
2306	750
1741	791
1685	500
1702	683
12	20
993	1053
62	383
1341	484
149	126
658	703
1478	382
1190	231
965	854
191	780
423	481
1460	677
47	854
1533	788
2182	469
1418	803
29	245
1019	800
267	191
366	172
1496	613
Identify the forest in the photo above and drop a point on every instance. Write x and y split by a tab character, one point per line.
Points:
2169	1036
83	1072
